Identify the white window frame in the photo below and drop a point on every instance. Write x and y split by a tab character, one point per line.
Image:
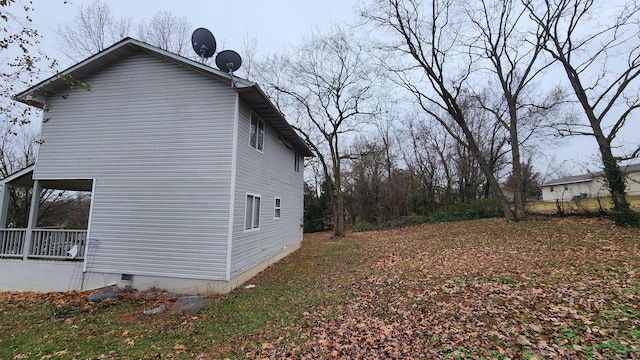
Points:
277	208
296	162
256	132
252	212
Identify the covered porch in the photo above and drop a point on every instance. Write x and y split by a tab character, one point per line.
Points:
28	238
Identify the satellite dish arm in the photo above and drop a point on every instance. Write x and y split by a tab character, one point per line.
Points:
230	70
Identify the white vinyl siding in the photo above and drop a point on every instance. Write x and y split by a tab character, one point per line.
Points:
157	138
269	174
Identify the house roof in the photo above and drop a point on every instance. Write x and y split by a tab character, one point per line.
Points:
590	176
249	91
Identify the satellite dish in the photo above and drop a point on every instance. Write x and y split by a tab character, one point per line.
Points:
228	60
204	44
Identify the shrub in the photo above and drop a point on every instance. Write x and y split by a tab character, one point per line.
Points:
626	218
476	209
314	225
362	226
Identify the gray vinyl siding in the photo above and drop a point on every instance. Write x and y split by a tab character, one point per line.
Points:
157	139
271	174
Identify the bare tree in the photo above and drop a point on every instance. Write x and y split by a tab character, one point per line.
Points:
602	65
95	28
167	32
436	76
430	161
325	86
503	37
249	57
366	176
17	151
21	61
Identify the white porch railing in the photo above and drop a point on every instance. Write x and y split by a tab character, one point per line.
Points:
12	242
45	243
56	244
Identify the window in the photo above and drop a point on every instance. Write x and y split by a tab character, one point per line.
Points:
566	187
551	188
296	162
252	212
256	133
276	208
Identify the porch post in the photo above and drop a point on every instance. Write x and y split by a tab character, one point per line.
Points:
4	205
33	218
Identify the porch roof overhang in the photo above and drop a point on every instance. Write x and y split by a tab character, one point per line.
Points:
24	178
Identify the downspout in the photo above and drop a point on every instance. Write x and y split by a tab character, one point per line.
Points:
232	189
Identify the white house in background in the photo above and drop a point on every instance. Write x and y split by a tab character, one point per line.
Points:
195	185
590	185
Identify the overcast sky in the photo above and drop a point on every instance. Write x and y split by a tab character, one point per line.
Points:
277	25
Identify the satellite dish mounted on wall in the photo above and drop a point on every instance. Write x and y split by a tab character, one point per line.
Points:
204	44
229	61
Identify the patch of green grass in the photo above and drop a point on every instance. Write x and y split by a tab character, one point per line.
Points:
505	279
117	328
614	349
567	333
457	353
332	248
460	281
496	355
619	312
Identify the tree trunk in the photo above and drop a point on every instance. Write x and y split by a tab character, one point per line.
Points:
338	204
615	179
338	230
516	167
503	202
518	198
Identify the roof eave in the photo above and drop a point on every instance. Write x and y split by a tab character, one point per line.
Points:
260	103
74	75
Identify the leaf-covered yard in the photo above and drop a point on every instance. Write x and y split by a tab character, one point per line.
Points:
547	288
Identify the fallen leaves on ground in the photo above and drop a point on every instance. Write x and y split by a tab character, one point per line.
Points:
484	289
546	288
